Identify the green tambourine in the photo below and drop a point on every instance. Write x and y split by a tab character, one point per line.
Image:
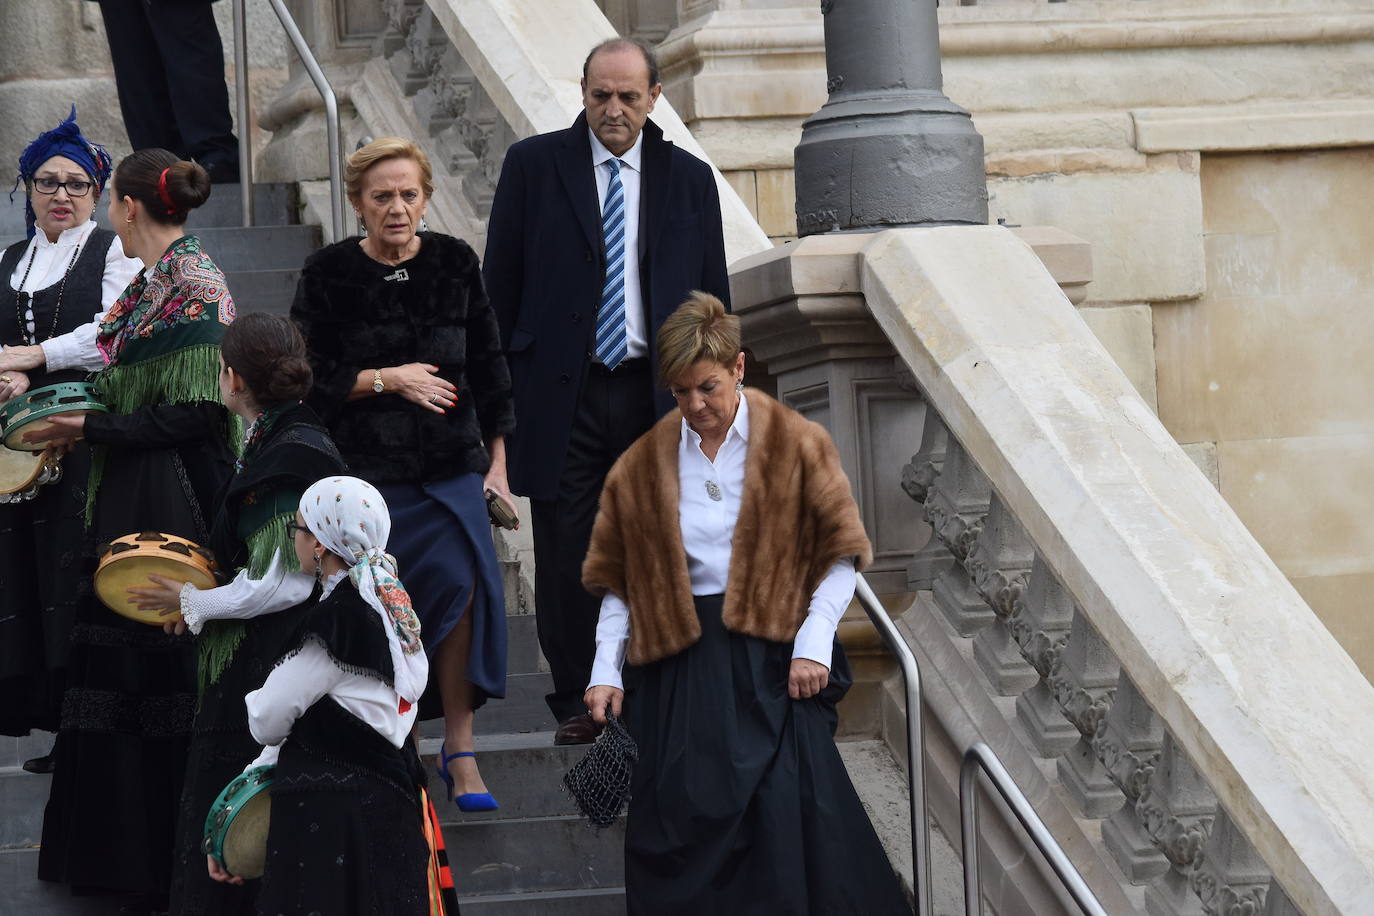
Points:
236	827
30	411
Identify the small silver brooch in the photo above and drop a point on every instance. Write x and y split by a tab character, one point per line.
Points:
713	490
400	276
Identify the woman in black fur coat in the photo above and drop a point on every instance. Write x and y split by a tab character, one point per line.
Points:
411	380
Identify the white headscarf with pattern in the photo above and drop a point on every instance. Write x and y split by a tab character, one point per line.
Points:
351	520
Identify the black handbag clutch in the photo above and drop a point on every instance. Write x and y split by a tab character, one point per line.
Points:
600	781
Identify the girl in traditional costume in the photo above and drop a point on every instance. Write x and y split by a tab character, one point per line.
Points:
58	284
335	715
157	460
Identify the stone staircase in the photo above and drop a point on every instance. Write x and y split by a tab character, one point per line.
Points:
261	264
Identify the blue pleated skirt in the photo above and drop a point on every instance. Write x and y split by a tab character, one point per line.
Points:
441	539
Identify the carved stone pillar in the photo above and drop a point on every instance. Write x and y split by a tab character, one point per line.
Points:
1083	683
1128	744
956	508
1040	631
999	566
1176	810
1230	879
918	478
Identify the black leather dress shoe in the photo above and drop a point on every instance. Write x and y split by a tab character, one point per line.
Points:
40	765
577	730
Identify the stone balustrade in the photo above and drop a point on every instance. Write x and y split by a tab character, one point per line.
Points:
1086	602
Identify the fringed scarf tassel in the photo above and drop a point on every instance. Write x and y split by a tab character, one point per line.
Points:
220	639
184	376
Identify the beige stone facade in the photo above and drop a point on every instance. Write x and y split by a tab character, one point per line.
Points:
1215	153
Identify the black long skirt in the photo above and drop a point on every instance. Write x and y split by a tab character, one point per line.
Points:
347	835
740	801
41	583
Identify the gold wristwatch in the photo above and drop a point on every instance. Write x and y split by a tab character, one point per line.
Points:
377	385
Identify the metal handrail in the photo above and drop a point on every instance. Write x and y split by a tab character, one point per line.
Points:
980	756
322	85
915	742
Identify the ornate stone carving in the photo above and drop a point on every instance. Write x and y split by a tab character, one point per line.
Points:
958	502
1040	632
1176	810
999	564
920	473
1083	683
1128	744
1230	878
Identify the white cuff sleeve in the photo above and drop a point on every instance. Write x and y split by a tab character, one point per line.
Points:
268	757
245	597
73	350
816	638
612	635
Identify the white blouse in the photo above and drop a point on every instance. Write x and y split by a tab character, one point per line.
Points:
245	597
75	349
708	530
307	677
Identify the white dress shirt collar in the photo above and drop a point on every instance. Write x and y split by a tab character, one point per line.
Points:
67	238
632	157
738	429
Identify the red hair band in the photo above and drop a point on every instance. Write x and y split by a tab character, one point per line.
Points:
162	192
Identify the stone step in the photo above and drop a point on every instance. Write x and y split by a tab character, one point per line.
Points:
275	204
522	645
22	797
534	854
601	901
261	247
22	894
524	772
14	751
523	709
263	290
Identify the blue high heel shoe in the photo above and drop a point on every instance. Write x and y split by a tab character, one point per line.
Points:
469	801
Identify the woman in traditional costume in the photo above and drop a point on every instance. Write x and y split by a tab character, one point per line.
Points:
242	626
725	550
411	378
58	284
158	459
334	716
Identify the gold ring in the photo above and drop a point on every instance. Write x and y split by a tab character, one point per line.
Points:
6	379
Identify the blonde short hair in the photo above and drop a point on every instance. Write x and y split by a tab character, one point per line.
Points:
699	329
380	150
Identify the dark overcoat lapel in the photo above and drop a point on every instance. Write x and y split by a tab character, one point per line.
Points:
574	168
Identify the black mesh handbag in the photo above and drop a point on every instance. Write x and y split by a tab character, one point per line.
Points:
600	781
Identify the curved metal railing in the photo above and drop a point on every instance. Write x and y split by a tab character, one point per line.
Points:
980	757
915	743
322	85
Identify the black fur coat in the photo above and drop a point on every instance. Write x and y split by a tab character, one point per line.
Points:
356	319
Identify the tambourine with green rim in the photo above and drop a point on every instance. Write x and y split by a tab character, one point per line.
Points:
31	411
236	827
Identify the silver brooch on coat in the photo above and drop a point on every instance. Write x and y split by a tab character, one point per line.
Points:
399	276
713	491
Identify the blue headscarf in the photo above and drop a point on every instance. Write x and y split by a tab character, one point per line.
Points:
63	140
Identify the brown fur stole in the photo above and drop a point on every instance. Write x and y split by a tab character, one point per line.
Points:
797	517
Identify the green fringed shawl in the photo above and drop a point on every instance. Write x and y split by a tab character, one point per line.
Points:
179	365
220	639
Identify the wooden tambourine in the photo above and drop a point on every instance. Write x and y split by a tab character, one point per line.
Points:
128	561
22	473
236	827
30	411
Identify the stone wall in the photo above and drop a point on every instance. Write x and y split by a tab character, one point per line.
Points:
1210	151
53	54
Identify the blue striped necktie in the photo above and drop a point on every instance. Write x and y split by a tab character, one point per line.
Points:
611	342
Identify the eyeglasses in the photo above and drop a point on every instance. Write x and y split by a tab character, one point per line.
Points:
76	188
294	529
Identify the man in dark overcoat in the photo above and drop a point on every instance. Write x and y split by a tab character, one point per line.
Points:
597	233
